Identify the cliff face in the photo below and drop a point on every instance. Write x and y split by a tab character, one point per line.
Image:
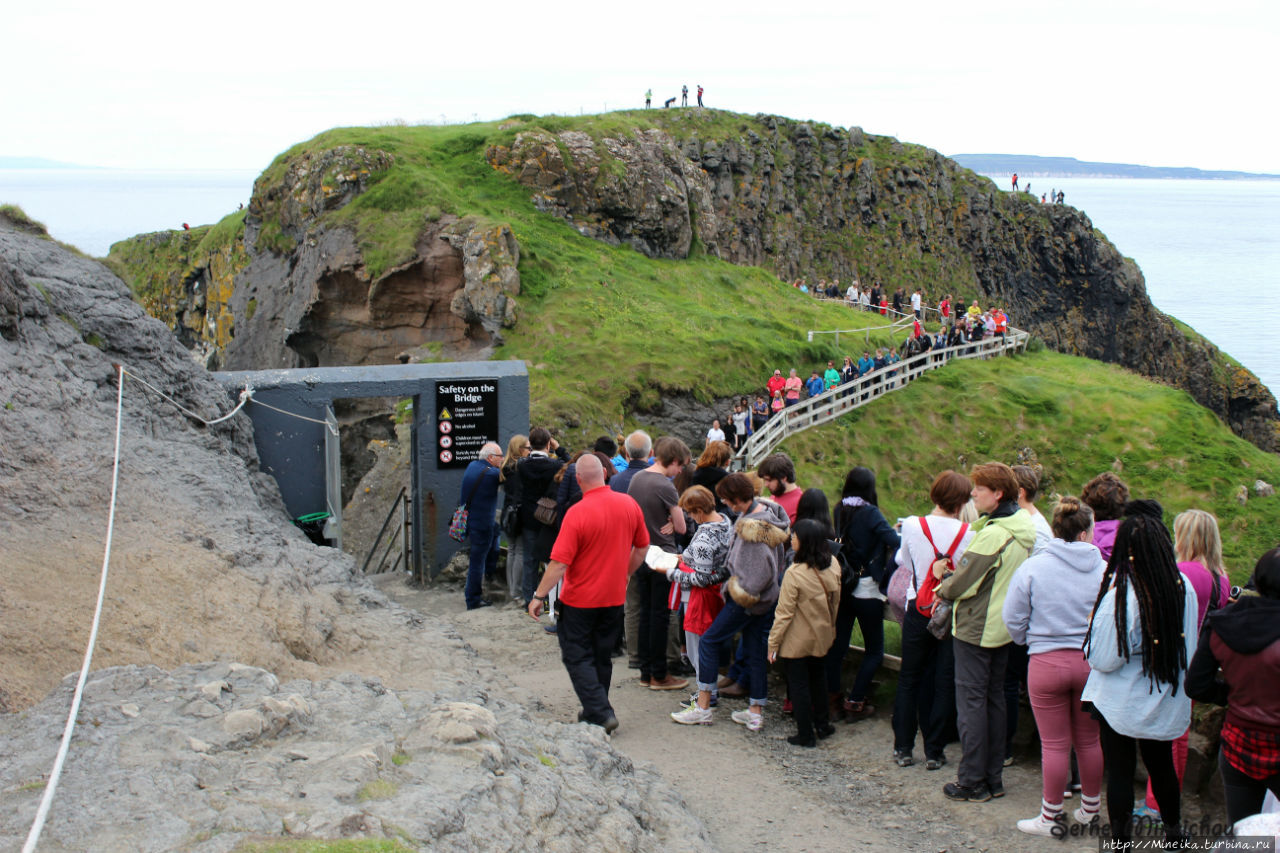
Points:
355	253
820	201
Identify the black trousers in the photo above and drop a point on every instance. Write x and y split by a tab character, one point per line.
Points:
587	636
654	619
1244	794
926	688
807	680
1122	762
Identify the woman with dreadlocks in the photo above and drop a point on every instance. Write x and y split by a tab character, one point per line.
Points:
1140	638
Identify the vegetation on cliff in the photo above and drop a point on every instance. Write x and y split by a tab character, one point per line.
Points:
1074	417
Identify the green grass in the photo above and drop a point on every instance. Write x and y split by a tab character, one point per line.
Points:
378	789
1077	416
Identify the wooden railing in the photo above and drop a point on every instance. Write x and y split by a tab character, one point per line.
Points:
844	398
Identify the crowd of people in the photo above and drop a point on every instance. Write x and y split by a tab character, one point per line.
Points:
1112	624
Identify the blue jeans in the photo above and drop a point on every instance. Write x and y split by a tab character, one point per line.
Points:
484	560
755	645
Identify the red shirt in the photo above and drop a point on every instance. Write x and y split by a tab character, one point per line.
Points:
944	308
775	383
790	501
595	543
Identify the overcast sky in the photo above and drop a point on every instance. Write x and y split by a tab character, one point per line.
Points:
148	84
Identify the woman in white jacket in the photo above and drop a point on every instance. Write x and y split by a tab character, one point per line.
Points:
1141	637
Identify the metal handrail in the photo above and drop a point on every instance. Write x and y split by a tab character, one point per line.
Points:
402	503
844	398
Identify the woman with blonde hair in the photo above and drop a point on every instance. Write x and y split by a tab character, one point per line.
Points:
712	467
517	449
1198	547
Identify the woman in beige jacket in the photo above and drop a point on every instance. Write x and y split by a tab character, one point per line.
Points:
804	626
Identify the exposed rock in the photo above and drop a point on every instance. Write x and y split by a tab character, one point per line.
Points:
204	566
1242	495
843	204
338	758
1263	489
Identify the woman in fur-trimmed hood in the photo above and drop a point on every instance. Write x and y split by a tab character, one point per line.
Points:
757	555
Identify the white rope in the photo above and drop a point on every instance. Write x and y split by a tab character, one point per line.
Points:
46	802
325	424
244	398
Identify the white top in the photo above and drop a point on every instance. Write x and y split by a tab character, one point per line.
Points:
915	302
740	421
714	434
1043	531
915	548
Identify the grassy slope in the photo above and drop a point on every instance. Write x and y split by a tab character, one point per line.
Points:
1078	416
603	327
606	330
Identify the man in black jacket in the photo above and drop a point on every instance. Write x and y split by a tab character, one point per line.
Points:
537	473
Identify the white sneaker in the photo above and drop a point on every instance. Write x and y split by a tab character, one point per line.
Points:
754	722
1040	825
692	716
1084	817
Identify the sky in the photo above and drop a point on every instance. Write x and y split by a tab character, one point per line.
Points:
145	84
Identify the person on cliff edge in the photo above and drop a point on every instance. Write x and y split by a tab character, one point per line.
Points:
480	493
602	542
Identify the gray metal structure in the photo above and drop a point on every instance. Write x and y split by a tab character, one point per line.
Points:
292	413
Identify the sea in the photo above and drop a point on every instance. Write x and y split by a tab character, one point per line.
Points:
1209	250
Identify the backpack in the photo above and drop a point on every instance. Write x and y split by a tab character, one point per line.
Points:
925	593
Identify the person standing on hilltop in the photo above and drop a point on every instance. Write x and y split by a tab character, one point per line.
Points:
699	94
648	98
601	544
480	495
684	95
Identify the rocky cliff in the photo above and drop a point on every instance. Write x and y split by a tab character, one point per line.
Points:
360	247
224	706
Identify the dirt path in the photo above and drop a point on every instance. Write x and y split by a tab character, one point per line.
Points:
756	790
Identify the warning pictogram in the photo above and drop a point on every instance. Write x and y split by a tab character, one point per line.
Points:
445	441
446	427
446	456
445	416
466	418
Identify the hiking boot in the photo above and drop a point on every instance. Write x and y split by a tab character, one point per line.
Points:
668	683
935	763
693	716
610	724
996	789
824	731
796	740
753	722
1041	825
902	758
974	794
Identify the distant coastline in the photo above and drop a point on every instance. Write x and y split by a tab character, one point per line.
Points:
1031	166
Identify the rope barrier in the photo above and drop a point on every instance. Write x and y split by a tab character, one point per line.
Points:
46	802
245	395
332	429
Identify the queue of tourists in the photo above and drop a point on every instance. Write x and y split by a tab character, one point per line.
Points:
1111	624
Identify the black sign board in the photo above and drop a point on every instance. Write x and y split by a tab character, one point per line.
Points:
466	418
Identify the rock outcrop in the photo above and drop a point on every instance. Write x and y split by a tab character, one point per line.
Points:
174	752
811	200
208	756
349	260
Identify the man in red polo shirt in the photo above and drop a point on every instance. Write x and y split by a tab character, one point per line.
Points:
602	541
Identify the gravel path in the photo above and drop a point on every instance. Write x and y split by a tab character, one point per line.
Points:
754	790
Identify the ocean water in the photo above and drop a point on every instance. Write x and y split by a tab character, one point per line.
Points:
1210	250
93	208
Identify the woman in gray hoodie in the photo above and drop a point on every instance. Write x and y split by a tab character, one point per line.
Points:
1047	609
